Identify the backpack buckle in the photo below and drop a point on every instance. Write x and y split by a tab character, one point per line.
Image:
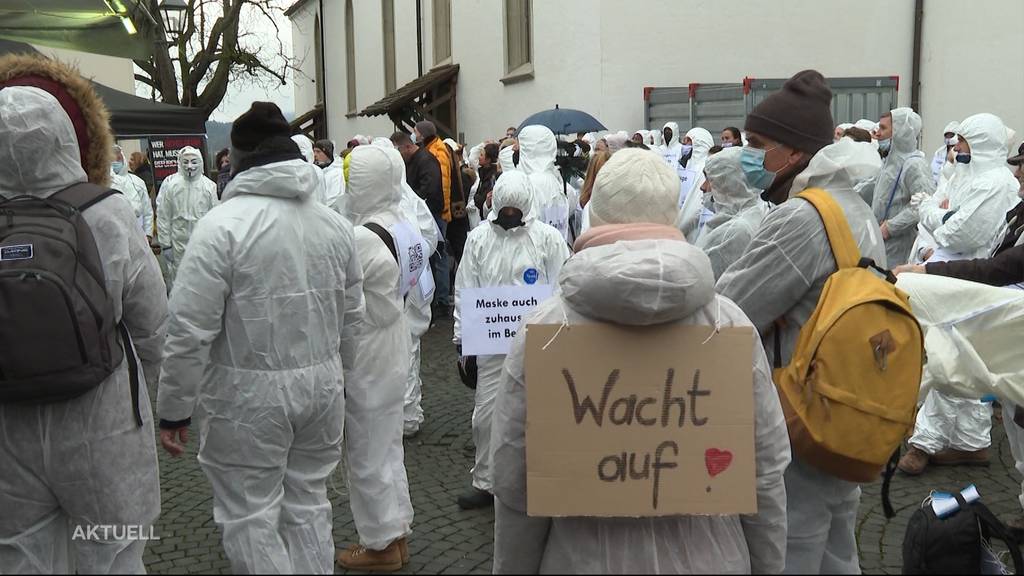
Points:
882	345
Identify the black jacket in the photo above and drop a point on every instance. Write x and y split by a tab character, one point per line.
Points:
423	174
487	176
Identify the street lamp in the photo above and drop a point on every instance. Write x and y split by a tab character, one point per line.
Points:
172	12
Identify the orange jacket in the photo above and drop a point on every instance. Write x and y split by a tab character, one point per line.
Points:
438	149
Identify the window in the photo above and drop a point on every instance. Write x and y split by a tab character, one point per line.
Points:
442	30
350	56
518	39
318	60
388	11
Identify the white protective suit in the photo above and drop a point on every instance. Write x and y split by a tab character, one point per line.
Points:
135	192
738	211
671	150
505	159
322	195
905	172
668	281
870	126
980	194
498	257
417	303
375	456
537	150
939	158
692	214
781	276
71	465
184	198
264	333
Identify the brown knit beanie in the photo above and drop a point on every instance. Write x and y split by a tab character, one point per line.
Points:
799	115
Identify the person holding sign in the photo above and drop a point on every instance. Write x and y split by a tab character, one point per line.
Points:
375	394
780	277
634	270
738	210
508	267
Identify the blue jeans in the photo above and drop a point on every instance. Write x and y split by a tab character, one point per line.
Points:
439	263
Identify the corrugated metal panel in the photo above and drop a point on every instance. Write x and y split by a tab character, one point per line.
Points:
717	106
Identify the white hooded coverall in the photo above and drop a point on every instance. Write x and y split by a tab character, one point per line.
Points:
537	151
781	276
693	214
135	191
498	257
265	329
374	453
672	149
67	466
184	198
905	172
980	194
738	211
667	281
327	196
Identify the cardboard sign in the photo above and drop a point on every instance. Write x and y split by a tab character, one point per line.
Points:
687	179
491	317
639	421
163	154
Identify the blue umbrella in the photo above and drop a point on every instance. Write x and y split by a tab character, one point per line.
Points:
564	121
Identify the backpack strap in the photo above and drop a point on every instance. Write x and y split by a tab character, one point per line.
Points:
133	369
83	195
385	237
992	525
844	248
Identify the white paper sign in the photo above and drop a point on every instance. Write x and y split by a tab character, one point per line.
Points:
687	178
426	283
413	253
557	215
491	316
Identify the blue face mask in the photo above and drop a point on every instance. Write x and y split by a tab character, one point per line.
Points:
884	145
687	148
117	167
963	158
752	163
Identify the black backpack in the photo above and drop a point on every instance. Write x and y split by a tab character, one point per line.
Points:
59	335
955	544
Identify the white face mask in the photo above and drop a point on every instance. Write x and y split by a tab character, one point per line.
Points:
191	166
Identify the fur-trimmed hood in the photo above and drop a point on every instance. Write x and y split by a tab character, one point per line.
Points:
91	121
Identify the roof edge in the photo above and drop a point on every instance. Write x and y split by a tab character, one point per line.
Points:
295	7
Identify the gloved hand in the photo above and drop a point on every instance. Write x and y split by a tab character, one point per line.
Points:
917	199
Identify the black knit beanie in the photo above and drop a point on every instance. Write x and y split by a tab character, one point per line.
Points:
262	121
799	115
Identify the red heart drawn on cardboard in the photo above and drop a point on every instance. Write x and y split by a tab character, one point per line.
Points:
717	461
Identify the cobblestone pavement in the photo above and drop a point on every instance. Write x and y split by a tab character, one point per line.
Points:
446	539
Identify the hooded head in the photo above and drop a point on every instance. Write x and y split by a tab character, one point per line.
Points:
635	186
702	142
670	134
951	129
372	190
190	163
32	122
537	149
81	107
305	146
119	164
838	167
506	159
615	142
728	186
986	135
906	128
513	190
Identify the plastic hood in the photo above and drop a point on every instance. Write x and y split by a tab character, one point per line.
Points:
702	143
305	146
639	282
505	156
39	152
728	186
537	149
189	152
124	167
906	128
513	190
371	187
289	179
674	127
838	167
986	135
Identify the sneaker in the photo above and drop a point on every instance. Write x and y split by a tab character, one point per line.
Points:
952	457
914	462
475	499
362	559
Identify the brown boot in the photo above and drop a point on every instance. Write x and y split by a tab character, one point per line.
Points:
360	558
913	462
953	457
403	546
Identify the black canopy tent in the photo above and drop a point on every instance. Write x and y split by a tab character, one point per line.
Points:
131	116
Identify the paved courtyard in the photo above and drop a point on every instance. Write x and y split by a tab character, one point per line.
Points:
446	539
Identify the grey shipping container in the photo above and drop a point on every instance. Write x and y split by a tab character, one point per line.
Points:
718	106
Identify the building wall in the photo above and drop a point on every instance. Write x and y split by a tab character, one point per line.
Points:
598	55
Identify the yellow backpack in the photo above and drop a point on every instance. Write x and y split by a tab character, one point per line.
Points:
850	390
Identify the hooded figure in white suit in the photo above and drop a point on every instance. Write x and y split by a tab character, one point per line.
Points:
738	210
184	198
134	190
499	253
693	213
672	149
537	151
378	482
